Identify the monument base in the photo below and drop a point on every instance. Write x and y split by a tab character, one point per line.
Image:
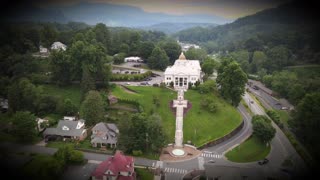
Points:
178	152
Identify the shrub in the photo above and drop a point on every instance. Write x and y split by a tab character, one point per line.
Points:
76	157
137	152
275	116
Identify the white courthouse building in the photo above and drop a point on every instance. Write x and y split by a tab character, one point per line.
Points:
182	72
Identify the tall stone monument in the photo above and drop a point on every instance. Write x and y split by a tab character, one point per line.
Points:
179	104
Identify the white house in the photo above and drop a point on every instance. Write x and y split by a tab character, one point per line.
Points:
58	46
69	118
183	72
39	122
133	59
43	49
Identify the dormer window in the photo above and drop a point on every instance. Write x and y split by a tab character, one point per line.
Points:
65	128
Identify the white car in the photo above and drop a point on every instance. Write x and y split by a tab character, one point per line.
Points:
127	83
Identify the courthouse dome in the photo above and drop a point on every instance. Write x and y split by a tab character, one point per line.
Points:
182	57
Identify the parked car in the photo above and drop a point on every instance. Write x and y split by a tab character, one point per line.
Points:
255	87
143	83
264	161
127	83
211	161
148	83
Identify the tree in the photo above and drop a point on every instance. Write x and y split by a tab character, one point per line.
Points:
145	49
156	135
61	67
158	59
92	108
172	49
87	82
102	35
46	104
278	57
142	133
48	35
208	86
23	95
198	54
208	65
296	93
262	128
209	104
232	82
267	80
306	120
24	126
67	108
67	155
259	59
119	58
281	81
43	167
124	48
242	57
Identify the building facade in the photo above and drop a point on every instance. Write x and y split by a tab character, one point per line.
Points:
183	72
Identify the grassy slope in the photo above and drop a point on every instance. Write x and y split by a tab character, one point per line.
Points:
200	126
250	150
71	92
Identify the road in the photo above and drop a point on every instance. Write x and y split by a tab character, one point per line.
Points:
267	100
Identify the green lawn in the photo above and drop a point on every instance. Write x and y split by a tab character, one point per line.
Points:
200	126
249	151
284	116
144	174
71	92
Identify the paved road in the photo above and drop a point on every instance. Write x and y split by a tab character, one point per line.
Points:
268	101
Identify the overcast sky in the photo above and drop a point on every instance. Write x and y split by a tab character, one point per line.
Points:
231	9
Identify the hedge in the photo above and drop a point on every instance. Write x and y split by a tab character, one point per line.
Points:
130	77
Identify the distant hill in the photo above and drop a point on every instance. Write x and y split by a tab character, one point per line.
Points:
293	25
109	14
170	28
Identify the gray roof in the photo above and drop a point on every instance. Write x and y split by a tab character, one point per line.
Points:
100	127
112	127
59	130
107	130
110	140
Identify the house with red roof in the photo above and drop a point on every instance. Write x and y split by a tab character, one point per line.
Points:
117	167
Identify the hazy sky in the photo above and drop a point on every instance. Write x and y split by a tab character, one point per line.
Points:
225	8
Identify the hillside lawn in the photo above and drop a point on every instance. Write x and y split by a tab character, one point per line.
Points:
249	151
72	92
200	126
